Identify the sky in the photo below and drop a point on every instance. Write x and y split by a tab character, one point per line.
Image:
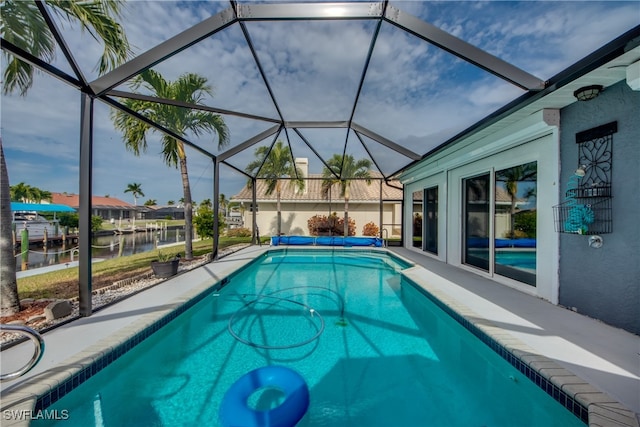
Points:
414	93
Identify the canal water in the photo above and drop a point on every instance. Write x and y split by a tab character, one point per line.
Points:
103	247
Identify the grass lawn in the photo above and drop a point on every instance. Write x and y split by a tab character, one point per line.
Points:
64	283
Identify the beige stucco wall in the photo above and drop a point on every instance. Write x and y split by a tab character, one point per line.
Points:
296	215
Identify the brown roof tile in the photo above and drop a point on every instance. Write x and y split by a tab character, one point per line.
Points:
73	200
360	191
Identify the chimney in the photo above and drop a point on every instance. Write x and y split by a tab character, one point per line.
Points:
302	163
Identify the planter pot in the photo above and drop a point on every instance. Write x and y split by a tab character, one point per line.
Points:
165	269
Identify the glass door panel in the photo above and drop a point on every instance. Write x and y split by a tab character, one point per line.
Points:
476	223
431	220
515	223
417	219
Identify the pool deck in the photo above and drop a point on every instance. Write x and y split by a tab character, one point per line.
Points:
598	364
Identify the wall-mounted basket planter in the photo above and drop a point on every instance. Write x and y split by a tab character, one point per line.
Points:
587	208
584	215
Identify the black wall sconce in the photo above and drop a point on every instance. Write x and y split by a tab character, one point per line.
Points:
588	93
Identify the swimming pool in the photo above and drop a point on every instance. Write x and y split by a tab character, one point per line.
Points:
387	355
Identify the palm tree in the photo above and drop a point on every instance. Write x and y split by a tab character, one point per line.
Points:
136	190
22	192
279	164
24	26
347	168
19	192
39	195
151	202
223	203
9	284
171	202
189	88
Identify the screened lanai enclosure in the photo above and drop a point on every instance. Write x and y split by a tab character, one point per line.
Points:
387	82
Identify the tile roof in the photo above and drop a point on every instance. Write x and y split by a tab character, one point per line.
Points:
360	191
98	202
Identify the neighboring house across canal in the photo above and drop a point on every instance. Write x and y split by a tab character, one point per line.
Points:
107	208
378	203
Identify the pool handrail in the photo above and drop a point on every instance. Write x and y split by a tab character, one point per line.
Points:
37	355
384	241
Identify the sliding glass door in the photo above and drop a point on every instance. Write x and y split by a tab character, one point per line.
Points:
499	226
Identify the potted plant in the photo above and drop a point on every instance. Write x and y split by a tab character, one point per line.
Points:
166	265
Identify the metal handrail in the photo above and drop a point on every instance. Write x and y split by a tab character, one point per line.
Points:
37	355
384	231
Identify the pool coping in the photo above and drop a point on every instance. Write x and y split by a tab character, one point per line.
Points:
38	392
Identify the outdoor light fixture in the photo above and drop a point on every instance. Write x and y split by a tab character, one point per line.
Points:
587	93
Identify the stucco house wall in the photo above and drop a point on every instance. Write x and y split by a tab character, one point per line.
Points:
297	207
296	215
532	139
605	283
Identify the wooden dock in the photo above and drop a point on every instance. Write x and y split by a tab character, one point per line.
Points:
49	241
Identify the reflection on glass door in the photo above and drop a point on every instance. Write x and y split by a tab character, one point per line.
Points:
476	221
515	223
431	220
417	219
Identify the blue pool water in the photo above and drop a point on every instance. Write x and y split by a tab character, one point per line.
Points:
372	348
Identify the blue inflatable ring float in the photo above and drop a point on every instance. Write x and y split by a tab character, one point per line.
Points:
235	410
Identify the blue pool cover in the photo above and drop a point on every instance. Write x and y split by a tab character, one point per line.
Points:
326	241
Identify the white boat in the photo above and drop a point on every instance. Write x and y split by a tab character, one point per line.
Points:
36	224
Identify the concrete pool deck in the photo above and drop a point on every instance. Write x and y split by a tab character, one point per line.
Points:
599	364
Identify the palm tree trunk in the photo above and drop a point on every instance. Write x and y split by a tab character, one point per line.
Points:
9	300
188	210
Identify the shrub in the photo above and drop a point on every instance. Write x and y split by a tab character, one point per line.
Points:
204	222
96	223
239	232
322	225
370	229
67	219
